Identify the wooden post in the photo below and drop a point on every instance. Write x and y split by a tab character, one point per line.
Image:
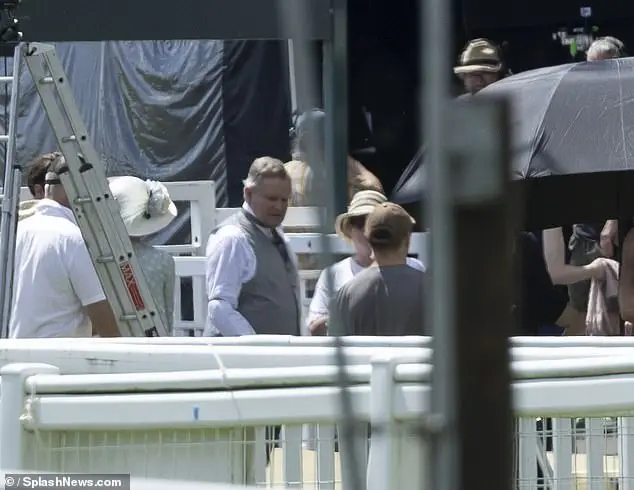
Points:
483	229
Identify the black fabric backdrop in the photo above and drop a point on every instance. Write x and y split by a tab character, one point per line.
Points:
169	110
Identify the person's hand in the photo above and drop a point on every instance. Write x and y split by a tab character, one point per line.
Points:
319	327
598	267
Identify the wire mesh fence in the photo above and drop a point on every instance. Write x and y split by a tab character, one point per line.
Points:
574	453
551	453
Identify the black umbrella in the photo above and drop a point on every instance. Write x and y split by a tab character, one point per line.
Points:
573	142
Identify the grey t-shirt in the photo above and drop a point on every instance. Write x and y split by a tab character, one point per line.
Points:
381	301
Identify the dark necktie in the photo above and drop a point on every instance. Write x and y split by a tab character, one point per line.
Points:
280	245
277	240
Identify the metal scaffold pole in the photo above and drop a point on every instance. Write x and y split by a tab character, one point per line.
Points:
10	200
439	303
470	217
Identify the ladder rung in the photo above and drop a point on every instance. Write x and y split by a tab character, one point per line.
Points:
119	271
4	137
6	79
105	259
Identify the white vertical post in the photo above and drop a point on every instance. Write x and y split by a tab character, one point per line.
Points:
562	449
13	377
380	465
626	452
594	453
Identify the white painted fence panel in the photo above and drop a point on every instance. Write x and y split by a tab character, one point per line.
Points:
208	424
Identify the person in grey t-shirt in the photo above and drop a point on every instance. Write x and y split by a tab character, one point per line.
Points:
386	298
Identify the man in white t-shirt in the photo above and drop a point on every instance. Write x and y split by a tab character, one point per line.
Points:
56	291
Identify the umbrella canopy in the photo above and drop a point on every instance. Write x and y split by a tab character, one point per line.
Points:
571	125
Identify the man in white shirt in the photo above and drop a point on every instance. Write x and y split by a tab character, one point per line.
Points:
252	280
56	291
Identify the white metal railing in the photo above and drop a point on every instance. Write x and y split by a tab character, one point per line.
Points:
204	217
194	268
301	243
574	429
201	196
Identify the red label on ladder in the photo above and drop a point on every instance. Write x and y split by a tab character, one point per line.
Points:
132	285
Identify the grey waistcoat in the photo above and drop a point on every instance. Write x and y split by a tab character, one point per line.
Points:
268	301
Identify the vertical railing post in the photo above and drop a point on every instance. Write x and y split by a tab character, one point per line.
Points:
380	473
12	400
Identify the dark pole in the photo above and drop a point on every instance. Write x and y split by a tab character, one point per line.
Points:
335	53
483	231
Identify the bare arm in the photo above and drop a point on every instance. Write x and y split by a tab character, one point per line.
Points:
626	282
102	319
87	287
609	236
317	317
555	257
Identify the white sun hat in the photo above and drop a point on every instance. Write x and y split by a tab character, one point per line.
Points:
362	204
145	206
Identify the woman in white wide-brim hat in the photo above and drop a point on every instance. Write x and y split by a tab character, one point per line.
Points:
350	226
146	208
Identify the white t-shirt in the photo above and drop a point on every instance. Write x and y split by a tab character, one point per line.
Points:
342	272
54	277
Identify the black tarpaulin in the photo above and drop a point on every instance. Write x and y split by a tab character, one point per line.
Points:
169	110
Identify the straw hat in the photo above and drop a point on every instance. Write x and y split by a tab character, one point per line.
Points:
480	55
145	206
362	204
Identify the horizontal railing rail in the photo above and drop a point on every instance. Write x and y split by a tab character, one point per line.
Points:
70	417
39	405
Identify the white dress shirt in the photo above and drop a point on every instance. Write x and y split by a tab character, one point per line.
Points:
231	262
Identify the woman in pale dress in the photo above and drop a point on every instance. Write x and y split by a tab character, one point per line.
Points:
146	208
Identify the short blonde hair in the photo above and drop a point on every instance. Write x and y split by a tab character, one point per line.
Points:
265	168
